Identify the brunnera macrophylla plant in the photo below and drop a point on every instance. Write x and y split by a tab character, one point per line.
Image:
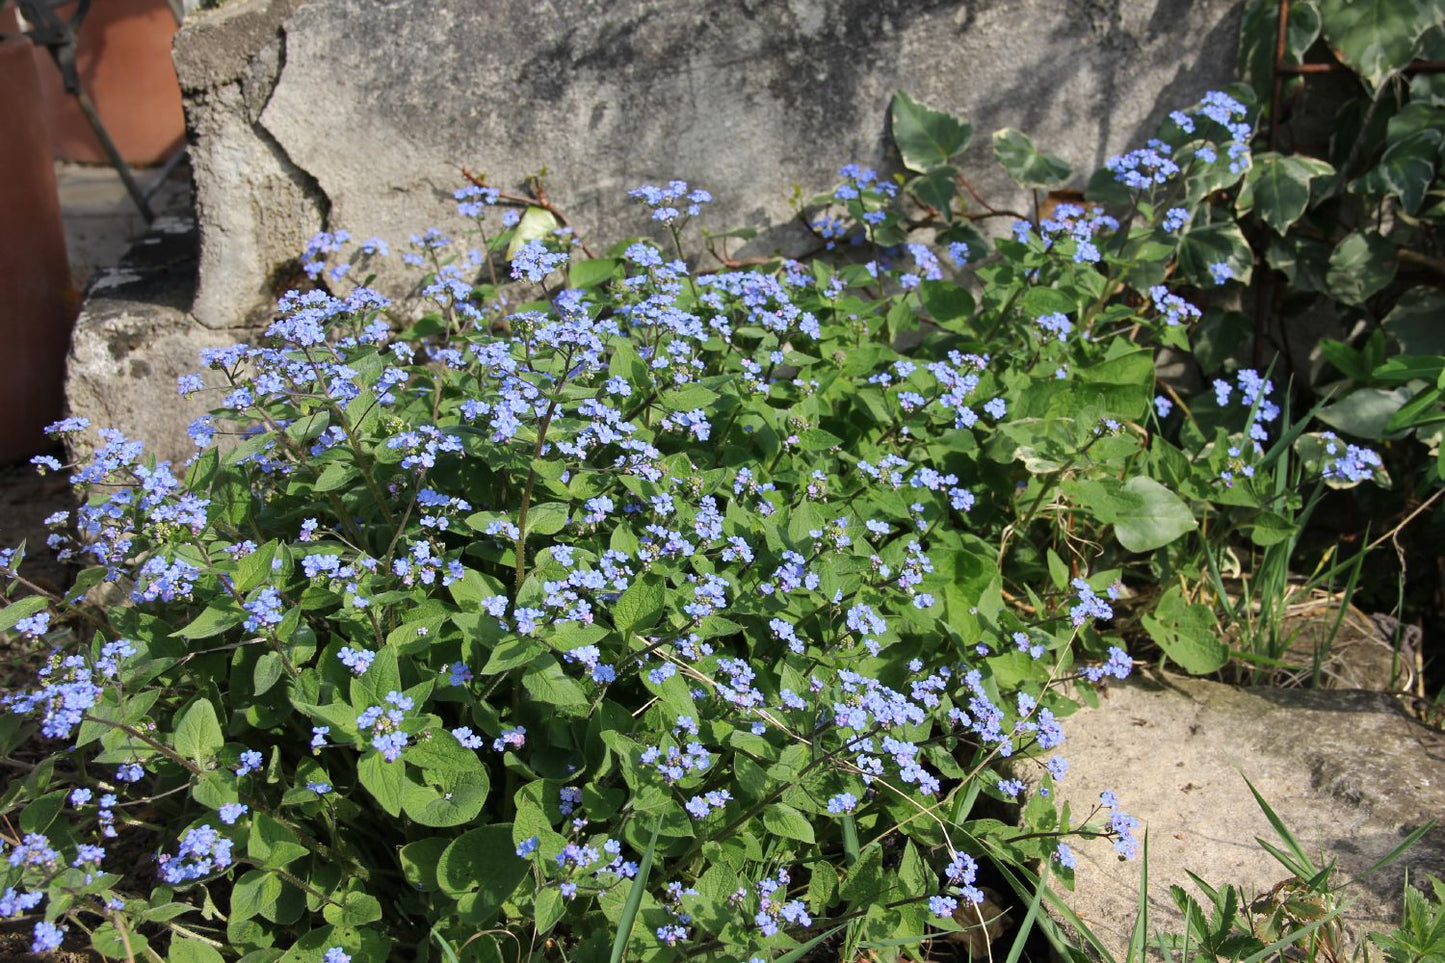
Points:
674	612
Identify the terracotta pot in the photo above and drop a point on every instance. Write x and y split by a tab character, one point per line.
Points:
123	53
37	304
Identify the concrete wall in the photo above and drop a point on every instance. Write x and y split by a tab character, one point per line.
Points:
359	114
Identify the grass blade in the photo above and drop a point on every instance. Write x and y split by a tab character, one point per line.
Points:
1027	926
850	840
1395	853
1284	833
450	953
1289	939
793	956
1139	938
634	901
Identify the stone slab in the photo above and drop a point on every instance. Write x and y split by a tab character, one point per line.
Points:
365	113
134	337
1347	771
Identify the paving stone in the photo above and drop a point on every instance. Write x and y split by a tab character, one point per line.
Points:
1347	771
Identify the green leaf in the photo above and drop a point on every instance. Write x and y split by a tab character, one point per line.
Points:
1365	412
787	822
639	606
1270	528
536	224
547	910
336	474
548	518
1188	634
865	880
1414	321
548	684
926	138
271	843
355	909
484	861
254	569
192	951
268	669
256	893
1280	187
38	816
1162	518
444	798
419	862
198	733
217	617
511	653
385	781
1212	244
1360	265
1025	163
947	302
1374	37
1144	513
816	439
21	609
590	273
1423	409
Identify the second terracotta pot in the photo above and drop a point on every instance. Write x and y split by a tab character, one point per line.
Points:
123	54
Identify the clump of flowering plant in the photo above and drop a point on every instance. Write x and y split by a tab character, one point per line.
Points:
658	606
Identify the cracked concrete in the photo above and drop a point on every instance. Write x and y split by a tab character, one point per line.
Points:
359	114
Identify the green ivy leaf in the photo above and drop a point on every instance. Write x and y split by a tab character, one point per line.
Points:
1212	244
1414	321
926	138
936	189
1025	163
1360	266
1374	37
1365	412
1279	187
1406	170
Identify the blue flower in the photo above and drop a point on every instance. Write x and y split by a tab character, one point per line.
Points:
942	906
230	812
47	937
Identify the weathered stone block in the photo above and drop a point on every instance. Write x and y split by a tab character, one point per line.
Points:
134	338
370	108
1347	771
